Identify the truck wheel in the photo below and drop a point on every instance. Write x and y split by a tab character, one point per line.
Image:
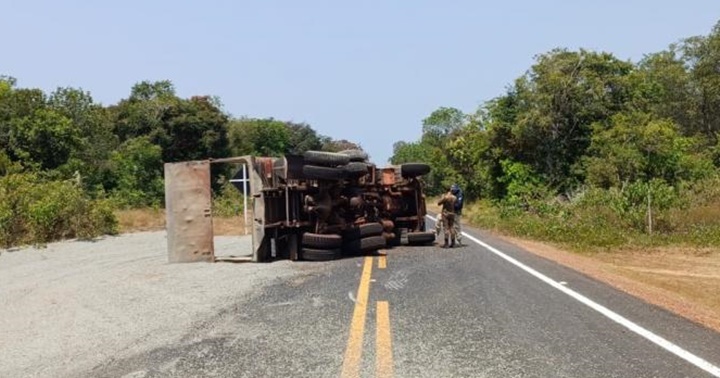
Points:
372	243
356	169
315	172
370	229
414	169
396	239
355	155
312	254
364	230
330	159
367	244
322	241
420	238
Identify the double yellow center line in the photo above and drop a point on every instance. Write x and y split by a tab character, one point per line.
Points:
383	339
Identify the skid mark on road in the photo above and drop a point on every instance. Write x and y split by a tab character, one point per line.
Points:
397	281
658	340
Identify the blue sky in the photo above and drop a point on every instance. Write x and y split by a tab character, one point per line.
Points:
366	71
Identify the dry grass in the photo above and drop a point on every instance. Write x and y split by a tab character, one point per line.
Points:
691	275
230	226
137	220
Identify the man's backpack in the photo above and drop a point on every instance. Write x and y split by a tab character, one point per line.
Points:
459	202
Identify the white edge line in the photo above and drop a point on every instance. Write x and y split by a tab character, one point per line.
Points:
665	344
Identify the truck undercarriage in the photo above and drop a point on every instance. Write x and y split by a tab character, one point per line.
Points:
324	205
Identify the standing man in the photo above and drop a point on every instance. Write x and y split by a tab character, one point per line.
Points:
447	202
457	192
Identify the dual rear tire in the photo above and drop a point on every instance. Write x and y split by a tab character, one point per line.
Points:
321	247
363	239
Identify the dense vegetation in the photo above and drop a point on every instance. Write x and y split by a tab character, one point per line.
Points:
66	162
590	150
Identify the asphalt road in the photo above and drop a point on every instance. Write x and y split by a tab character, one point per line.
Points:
472	311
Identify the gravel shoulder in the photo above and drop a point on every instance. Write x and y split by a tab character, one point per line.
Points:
74	305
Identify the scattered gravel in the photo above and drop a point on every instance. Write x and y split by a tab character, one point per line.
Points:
73	305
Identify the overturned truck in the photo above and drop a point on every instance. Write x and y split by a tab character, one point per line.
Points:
325	205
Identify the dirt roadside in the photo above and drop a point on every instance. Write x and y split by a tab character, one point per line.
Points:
682	280
147	219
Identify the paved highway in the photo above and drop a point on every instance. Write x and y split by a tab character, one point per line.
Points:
487	309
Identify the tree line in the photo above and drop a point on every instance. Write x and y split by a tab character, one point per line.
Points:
580	118
579	122
66	161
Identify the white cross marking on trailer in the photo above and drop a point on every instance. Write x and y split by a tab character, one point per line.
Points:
244	182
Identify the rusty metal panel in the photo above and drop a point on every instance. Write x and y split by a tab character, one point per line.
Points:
388	176
188	207
258	205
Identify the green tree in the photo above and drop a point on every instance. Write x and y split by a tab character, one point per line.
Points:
559	99
662	86
702	54
302	138
138	173
193	129
404	152
260	137
441	123
16	103
640	147
144	111
186	129
467	153
45	137
337	145
96	141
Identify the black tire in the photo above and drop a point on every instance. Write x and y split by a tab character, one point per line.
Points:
397	238
312	254
414	169
314	172
364	230
355	155
330	159
419	238
367	244
389	237
356	169
321	241
371	229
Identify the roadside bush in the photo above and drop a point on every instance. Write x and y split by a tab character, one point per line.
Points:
596	218
37	211
228	202
524	190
